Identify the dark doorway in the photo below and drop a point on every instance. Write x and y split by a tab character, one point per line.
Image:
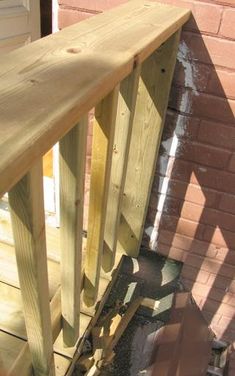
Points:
46	17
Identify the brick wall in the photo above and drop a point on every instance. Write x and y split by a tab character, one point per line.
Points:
191	214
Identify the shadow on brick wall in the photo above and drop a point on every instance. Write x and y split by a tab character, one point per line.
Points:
189	216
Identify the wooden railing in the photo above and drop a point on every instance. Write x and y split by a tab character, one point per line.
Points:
120	62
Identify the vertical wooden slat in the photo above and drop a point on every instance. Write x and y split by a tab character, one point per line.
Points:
27	213
154	88
72	180
103	136
124	121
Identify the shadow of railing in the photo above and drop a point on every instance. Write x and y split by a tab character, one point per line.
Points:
186	161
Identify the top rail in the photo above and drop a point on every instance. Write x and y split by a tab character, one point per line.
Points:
47	86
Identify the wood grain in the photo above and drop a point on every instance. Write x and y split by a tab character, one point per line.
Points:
47	86
27	213
102	145
123	130
154	89
72	181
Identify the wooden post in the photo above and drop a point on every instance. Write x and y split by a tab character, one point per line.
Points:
103	136
123	129
28	222
152	100
72	180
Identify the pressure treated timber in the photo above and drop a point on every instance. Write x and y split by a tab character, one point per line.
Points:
47	86
11	346
12	322
102	145
28	222
15	325
72	185
156	76
123	129
9	274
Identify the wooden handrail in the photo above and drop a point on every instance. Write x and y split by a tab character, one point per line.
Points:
47	86
120	62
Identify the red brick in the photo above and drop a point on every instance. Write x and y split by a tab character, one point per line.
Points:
232	287
203	154
214	306
208	216
92	5
208	292
188	244
198	300
231	370
194	274
211	319
221	83
220	282
210	265
226	255
172	205
232	164
182	226
221	237
222	333
205	176
227	322
192	211
210	50
202	105
223	2
230	299
206	17
227	203
217	134
171	252
193	193
184	127
232	351
69	17
227	28
200	75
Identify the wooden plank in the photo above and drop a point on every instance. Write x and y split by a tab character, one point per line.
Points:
52	233
121	326
12	322
47	86
95	316
102	145
22	364
156	77
69	352
27	213
16	353
110	328
12	317
9	272
123	129
10	347
72	181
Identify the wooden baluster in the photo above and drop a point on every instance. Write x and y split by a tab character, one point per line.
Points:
103	136
28	222
123	130
72	180
152	100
